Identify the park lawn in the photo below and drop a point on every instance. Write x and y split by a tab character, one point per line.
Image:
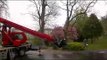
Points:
100	44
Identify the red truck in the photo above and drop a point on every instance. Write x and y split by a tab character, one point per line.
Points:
15	43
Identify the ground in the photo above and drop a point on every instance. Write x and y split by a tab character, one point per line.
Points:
50	54
95	51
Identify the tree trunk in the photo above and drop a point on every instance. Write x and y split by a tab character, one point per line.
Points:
66	29
92	40
42	22
66	23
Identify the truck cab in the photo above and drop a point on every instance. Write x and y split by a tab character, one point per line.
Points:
12	38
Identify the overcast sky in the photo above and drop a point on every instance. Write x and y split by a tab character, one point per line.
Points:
18	10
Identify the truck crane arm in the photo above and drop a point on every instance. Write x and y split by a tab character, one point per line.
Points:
22	28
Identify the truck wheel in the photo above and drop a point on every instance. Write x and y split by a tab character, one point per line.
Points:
21	52
11	56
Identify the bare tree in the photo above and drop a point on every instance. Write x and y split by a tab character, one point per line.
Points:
73	6
44	12
3	7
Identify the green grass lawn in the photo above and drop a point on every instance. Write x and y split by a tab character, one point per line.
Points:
100	44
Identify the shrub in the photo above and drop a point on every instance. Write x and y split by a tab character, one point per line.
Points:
74	46
36	41
54	47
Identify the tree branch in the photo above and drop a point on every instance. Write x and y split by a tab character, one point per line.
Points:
82	12
72	7
38	8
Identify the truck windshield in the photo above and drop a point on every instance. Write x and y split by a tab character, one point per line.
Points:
18	36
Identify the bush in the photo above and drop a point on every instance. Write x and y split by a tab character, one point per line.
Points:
54	47
74	46
36	41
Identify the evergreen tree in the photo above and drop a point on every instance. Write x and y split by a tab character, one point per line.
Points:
92	28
